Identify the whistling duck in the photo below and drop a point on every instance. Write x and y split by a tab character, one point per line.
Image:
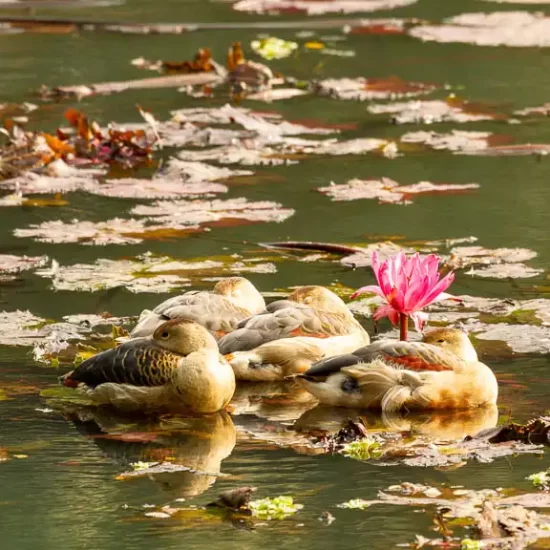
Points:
220	311
291	335
179	367
441	372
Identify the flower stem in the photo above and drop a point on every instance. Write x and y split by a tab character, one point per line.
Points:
403	327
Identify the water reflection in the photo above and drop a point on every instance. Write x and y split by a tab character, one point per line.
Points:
279	401
199	444
432	424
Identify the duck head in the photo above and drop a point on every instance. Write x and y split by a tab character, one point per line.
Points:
319	297
453	340
183	336
241	292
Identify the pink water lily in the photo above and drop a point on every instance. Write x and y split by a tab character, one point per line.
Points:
408	285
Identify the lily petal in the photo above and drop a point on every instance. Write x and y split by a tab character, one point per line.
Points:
387	311
366	289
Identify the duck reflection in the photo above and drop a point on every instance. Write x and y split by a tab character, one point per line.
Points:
193	448
440	425
275	401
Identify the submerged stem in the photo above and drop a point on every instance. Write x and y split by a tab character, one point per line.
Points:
403	327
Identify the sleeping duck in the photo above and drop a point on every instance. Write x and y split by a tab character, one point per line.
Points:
220	311
441	372
311	324
178	367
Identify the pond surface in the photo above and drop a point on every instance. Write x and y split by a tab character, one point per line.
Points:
59	486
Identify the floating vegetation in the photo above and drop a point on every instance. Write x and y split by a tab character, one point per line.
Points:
456	140
311	7
541	480
364	449
161	221
508	28
371	89
427	449
16	264
430	112
355	504
274	508
149	273
273	48
387	191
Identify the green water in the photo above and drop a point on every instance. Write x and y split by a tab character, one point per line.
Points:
63	493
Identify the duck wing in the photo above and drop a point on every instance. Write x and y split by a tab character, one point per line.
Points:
284	323
137	362
214	312
413	356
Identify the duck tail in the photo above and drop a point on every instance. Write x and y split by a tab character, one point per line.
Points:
391	387
395	398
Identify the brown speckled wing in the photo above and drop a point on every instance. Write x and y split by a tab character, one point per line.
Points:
284	323
138	362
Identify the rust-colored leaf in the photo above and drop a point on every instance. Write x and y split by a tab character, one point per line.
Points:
202	63
59	148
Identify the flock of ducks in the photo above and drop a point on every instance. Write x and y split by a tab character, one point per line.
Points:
190	350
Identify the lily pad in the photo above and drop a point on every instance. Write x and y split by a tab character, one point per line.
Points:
363	89
191	213
16	264
115	231
157	188
456	140
147	273
312	7
429	112
386	190
509	28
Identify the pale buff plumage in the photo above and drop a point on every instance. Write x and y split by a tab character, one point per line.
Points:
179	367
442	372
312	324
232	300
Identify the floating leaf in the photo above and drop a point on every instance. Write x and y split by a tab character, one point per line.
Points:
16	264
276	94
274	508
364	449
146	273
511	28
541	480
355	504
363	89
389	191
312	7
429	112
156	188
456	140
273	48
191	213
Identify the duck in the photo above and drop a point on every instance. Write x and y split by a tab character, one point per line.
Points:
232	300
441	372
291	335
178	367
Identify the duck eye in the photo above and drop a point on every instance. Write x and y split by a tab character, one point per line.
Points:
164	334
441	341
